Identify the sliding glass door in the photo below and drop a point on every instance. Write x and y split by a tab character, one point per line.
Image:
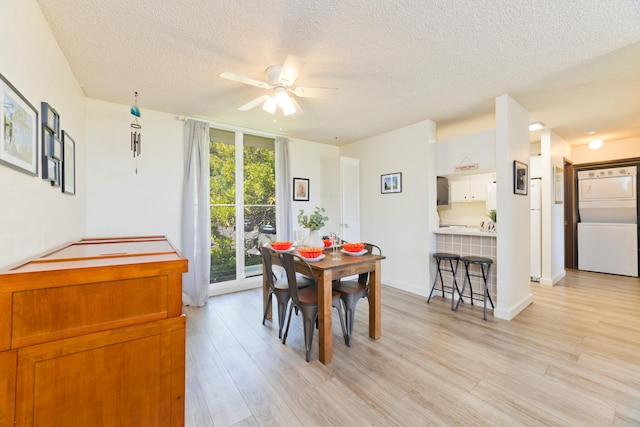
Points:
242	187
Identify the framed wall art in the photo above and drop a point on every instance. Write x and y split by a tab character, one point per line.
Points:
301	189
68	164
50	118
558	183
520	177
51	145
391	183
18	130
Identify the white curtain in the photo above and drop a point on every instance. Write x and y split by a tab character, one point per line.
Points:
196	221
284	205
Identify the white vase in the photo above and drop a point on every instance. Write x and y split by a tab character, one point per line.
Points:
313	240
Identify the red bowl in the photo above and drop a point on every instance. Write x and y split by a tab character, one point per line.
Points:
353	247
281	246
310	252
326	242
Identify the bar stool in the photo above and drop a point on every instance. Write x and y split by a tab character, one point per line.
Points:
443	256
481	262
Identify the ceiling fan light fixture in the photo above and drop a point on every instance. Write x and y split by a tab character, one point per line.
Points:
536	126
270	105
288	108
595	144
284	101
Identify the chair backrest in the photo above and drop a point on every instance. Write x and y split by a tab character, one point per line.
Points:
370	247
268	264
289	263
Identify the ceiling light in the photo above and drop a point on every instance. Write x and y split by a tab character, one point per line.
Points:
536	126
595	144
279	99
284	101
270	105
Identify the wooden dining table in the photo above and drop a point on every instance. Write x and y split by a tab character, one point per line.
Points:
326	271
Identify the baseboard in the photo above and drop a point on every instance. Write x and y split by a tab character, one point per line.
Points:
234	286
556	279
513	311
418	290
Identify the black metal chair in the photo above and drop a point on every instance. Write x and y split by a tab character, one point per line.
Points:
306	300
440	257
351	291
279	287
484	274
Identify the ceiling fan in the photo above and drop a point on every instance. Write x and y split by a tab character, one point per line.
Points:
280	80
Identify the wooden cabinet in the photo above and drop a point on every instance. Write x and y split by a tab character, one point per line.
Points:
93	334
470	188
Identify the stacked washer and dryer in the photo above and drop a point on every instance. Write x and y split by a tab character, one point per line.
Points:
608	227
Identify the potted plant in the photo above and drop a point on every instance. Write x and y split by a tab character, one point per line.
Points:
314	222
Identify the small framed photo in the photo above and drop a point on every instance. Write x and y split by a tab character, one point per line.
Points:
520	178
558	182
50	118
301	189
51	171
18	130
68	164
48	142
391	183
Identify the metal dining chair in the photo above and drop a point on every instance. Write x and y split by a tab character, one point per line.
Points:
279	286
350	293
306	300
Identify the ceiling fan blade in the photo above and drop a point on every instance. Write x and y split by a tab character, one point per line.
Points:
290	69
252	104
244	79
316	92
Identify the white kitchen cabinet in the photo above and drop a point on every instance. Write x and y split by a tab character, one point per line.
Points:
340	197
469	188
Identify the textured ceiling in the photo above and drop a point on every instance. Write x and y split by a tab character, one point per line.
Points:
573	65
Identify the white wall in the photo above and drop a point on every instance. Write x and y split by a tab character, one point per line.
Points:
514	239
36	217
553	149
400	223
611	150
121	202
306	162
467	150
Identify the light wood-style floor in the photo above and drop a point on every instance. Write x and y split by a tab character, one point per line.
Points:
572	358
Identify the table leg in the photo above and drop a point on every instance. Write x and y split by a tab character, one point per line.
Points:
265	291
325	338
374	302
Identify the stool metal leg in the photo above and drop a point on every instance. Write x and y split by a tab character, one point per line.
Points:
453	270
435	281
486	289
464	284
454	285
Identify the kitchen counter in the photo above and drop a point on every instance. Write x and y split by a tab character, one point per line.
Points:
463	231
469	241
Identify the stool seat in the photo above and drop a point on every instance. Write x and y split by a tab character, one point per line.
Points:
476	260
482	262
445	256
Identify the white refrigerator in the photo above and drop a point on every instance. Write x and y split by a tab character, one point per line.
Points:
536	228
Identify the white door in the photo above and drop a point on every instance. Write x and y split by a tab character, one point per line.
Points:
350	199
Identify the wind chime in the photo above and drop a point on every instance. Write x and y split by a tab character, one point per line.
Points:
136	137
